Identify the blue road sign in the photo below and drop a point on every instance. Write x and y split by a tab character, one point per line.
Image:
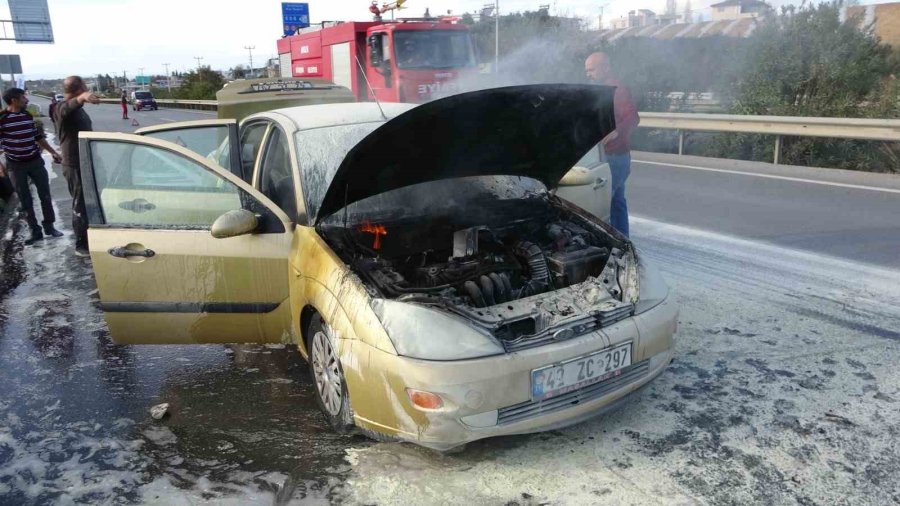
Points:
294	16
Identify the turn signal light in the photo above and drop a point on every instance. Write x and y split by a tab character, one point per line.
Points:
424	400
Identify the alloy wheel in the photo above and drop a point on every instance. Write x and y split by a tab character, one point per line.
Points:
329	383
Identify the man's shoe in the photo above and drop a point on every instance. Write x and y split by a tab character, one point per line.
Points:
36	235
82	252
50	231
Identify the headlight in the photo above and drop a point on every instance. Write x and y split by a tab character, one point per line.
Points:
420	332
652	286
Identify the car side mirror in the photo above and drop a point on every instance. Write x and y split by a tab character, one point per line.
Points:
234	223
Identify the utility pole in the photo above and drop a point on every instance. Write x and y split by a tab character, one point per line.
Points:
141	69
168	78
497	37
250	50
600	18
124	80
198	58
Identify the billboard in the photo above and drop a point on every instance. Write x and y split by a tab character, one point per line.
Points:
294	16
31	21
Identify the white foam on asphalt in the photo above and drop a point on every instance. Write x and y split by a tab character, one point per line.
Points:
785	389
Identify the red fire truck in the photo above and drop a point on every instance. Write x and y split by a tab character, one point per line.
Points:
407	60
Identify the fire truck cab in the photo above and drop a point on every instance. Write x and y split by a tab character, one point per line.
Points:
395	61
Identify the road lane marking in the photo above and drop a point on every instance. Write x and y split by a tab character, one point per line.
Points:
771	176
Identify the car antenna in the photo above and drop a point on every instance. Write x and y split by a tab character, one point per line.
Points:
361	69
346	191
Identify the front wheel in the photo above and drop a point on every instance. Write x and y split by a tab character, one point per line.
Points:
328	377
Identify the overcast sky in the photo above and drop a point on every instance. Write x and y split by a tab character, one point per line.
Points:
109	36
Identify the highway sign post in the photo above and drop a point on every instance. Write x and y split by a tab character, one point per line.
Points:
294	16
10	64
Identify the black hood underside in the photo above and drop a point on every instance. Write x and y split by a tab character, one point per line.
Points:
534	131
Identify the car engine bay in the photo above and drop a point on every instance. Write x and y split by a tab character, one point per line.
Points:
517	274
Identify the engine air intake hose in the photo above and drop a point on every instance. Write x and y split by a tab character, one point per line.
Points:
537	267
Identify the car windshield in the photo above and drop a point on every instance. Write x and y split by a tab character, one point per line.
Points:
322	151
433	49
143	95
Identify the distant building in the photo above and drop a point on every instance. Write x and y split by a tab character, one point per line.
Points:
738	9
741	27
644	17
884	19
636	18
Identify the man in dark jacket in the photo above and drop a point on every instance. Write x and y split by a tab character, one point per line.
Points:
22	141
71	119
617	147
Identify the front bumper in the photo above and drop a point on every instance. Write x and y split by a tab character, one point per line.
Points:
492	396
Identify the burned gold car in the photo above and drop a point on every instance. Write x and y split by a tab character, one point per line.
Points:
416	255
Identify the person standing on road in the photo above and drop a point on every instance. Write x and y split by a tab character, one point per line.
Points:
52	111
72	119
124	105
616	147
22	141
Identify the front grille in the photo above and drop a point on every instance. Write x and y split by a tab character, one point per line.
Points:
531	409
604	319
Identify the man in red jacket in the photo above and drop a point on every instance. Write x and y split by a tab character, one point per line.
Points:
617	148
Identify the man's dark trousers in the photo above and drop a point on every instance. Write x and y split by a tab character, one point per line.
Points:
79	212
19	174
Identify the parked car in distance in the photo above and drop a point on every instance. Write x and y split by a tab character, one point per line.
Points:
142	100
415	254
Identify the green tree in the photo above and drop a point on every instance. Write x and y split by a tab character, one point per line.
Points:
806	62
201	84
238	72
534	47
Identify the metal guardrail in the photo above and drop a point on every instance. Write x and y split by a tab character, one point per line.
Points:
779	126
205	105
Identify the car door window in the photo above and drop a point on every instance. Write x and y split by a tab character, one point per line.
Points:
276	176
251	141
209	141
150	187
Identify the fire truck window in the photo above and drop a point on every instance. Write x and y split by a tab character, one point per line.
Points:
276	180
251	141
386	49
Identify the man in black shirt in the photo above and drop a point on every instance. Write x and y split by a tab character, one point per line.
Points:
71	119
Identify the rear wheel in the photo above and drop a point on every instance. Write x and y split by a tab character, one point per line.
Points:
328	377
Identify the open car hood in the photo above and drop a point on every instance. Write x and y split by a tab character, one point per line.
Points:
535	131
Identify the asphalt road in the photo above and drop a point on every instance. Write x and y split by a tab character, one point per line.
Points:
851	215
108	117
785	388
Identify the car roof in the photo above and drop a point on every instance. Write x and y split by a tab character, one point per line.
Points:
307	117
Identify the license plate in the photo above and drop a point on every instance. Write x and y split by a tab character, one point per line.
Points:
562	378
